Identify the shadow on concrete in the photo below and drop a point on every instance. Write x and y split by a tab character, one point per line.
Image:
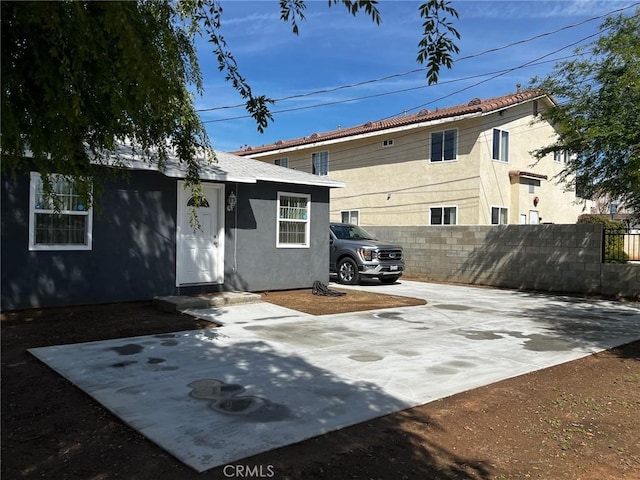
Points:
57	431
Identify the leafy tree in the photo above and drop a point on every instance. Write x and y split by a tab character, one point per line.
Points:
80	78
598	118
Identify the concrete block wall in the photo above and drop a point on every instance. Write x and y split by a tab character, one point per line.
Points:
557	258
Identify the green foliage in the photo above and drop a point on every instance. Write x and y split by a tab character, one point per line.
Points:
614	236
598	119
80	78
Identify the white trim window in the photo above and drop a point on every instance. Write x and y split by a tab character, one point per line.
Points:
444	146
499	216
320	163
70	228
282	162
350	216
388	142
561	156
500	145
292	228
443	215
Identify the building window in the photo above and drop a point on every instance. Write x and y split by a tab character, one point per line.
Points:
443	216
350	216
293	220
387	143
561	156
499	216
500	145
532	187
444	146
67	229
282	162
320	163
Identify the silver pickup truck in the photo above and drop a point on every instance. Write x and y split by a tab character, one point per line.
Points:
355	253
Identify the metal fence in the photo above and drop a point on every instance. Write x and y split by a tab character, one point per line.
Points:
620	245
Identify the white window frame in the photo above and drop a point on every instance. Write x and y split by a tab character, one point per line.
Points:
442	207
313	163
36	210
282	162
455	146
502	153
561	156
350	214
501	210
387	143
306	220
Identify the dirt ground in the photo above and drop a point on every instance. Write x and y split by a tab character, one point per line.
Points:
579	420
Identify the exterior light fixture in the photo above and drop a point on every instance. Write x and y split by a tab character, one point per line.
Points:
231	202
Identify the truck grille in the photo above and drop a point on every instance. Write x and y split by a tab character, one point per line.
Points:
390	255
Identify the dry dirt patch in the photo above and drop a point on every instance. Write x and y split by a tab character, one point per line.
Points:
304	300
578	420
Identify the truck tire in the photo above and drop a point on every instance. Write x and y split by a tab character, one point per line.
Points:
348	271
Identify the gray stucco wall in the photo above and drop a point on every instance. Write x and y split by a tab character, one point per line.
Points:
133	254
558	258
252	261
134	246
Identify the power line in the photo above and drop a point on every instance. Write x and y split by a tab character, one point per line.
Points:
393	92
388	77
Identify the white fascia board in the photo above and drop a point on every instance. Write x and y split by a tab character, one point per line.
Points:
385	131
175	172
328	183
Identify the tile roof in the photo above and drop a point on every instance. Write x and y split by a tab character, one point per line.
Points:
475	106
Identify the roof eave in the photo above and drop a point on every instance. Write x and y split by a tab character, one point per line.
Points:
333	141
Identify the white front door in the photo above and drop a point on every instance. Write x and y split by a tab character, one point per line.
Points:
200	252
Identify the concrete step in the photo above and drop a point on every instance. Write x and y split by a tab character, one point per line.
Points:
180	303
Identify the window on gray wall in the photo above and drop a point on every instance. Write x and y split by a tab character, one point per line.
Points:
67	227
444	146
293	220
320	163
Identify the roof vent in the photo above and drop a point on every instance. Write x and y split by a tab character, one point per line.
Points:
314	135
423	112
248	149
368	124
279	142
474	101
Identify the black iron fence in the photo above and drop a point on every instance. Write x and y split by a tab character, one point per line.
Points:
620	245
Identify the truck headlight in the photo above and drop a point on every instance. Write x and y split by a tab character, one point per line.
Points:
368	254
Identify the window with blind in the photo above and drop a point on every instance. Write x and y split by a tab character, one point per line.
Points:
320	163
293	220
59	221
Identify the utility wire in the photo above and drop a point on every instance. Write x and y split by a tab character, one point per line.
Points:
397	75
393	92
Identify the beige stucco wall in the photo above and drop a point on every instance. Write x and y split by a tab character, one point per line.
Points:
397	185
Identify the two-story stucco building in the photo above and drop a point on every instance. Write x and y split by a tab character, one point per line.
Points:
469	164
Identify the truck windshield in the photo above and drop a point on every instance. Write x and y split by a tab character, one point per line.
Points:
351	232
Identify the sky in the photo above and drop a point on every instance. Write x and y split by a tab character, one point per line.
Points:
368	72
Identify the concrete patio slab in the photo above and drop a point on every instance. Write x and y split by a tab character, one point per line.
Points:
271	376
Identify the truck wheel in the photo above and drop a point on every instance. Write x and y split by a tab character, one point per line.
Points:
348	271
389	278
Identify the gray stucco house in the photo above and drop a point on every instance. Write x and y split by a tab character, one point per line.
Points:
264	227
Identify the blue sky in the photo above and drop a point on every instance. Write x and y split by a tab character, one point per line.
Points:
334	49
